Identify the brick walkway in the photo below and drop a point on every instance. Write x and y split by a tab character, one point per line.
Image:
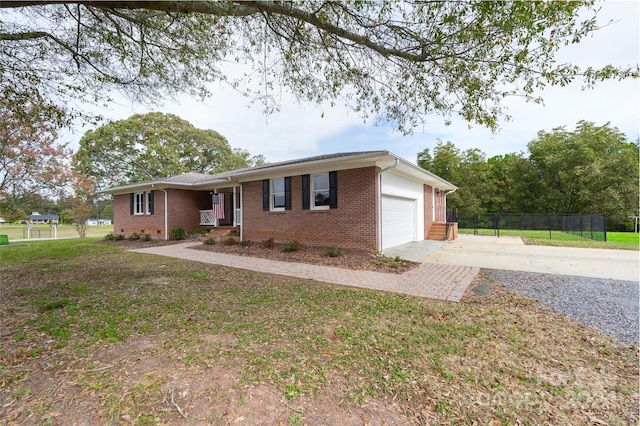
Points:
443	282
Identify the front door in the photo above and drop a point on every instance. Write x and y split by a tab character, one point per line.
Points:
228	209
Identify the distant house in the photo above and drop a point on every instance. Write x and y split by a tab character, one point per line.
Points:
2	220
368	200
96	222
37	218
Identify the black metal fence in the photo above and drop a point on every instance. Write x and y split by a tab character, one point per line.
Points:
592	226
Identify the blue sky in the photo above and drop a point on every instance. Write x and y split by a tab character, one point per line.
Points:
300	130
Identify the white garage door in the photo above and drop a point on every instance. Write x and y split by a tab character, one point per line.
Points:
398	221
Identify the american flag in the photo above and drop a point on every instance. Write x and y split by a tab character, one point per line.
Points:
218	206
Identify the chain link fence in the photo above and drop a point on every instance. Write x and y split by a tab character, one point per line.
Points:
591	226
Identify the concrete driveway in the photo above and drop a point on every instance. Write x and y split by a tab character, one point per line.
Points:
510	253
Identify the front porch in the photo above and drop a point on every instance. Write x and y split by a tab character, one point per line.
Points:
228	206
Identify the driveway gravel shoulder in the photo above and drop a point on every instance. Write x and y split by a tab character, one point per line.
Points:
609	305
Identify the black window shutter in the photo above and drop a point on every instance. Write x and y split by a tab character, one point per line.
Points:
333	190
151	202
265	195
131	202
287	193
306	196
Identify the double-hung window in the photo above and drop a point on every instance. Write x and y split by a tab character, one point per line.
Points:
320	191
277	194
142	203
139	203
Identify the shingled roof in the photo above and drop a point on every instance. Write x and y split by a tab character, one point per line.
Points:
200	180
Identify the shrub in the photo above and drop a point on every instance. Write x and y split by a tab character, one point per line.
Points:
119	237
292	246
178	233
268	243
134	236
333	252
246	243
230	242
198	231
209	241
109	237
145	237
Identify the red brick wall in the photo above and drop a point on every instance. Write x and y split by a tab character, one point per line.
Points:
184	208
126	223
428	209
184	211
351	225
453	234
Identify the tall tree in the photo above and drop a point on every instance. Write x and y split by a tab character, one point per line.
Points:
519	185
593	169
154	145
32	161
397	61
468	170
79	204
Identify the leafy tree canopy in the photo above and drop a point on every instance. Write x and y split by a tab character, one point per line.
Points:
396	61
468	170
593	169
154	145
32	162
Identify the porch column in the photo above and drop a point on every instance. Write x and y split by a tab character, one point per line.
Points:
235	216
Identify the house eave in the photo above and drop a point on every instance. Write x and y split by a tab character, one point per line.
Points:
381	159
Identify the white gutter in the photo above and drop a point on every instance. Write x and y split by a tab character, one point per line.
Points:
379	191
166	213
445	203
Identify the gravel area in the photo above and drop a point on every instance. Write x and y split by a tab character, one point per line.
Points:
609	305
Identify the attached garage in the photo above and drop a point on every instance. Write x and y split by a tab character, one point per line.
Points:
398	221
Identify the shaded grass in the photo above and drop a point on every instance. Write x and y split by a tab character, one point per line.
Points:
502	358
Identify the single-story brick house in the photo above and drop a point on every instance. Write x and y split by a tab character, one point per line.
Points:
37	218
369	200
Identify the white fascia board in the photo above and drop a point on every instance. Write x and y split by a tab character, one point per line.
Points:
215	184
145	186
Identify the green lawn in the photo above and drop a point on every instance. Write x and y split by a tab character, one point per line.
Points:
16	232
94	334
615	240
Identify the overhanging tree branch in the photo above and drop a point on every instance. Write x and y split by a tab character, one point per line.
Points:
399	60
